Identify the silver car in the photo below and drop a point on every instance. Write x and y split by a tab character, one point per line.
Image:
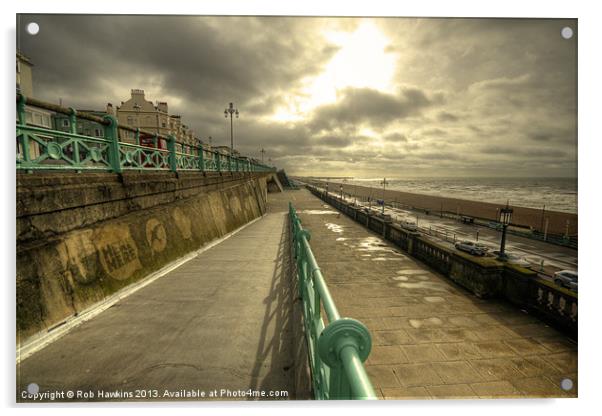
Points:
566	278
471	247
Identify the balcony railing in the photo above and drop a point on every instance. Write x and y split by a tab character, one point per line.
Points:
338	349
43	148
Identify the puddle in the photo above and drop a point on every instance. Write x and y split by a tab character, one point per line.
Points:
335	228
317	212
374	244
423	285
412	272
342	239
366	255
423	278
434	299
418	323
400	278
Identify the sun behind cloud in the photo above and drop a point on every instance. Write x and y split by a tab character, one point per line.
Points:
361	62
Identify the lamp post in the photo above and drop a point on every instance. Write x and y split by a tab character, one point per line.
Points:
384	183
262	153
505	218
341	189
230	110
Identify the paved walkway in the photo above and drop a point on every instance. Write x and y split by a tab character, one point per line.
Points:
432	339
220	321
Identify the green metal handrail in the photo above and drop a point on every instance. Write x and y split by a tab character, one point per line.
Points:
41	148
337	350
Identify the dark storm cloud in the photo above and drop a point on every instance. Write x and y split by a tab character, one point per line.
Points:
477	96
205	61
535	152
364	105
396	137
444	116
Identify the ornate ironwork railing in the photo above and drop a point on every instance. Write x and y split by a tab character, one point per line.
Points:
338	349
46	148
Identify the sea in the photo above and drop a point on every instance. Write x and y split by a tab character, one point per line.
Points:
556	194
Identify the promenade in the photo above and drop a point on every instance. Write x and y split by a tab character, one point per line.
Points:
431	338
220	321
224	320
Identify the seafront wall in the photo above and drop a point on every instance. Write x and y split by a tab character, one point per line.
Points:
486	277
81	238
525	217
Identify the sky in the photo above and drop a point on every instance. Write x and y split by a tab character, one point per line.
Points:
361	97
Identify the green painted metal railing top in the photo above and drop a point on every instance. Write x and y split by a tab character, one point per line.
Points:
114	148
338	349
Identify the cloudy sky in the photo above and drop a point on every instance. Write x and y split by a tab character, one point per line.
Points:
392	97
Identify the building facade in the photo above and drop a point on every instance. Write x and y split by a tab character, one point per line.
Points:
138	112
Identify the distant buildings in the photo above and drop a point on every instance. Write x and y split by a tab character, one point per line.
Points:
33	116
137	112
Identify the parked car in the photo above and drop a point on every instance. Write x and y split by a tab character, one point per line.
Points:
566	278
515	259
471	247
409	225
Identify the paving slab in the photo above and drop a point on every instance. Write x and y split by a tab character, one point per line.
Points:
439	340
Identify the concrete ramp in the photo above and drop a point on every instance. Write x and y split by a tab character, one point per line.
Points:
274	184
219	324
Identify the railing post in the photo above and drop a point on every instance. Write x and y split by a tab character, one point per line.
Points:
201	158
21	109
73	129
344	345
111	133
171	147
21	113
72	121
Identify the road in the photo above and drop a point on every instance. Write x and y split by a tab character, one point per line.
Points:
554	257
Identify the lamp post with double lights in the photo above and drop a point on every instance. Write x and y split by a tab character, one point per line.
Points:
505	219
230	110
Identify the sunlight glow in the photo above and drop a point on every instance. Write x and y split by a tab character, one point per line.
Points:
361	62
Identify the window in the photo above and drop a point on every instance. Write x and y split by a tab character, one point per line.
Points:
98	132
65	122
163	124
130	121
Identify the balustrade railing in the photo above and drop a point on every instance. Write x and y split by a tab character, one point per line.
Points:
338	348
117	149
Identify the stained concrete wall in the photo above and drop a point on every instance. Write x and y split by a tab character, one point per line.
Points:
81	238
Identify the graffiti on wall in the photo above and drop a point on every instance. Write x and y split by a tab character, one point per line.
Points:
117	251
156	236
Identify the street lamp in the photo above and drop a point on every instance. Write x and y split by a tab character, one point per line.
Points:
384	183
341	189
505	218
231	110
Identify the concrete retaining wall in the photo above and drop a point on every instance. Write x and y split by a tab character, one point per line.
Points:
81	238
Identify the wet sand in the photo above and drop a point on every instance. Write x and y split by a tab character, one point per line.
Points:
526	217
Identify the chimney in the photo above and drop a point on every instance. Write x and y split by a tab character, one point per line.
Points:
162	106
138	94
110	109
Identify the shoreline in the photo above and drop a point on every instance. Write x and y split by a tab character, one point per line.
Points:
522	216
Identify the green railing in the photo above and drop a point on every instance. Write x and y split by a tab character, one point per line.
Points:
336	350
42	148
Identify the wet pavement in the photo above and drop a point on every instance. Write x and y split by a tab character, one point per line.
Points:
432	338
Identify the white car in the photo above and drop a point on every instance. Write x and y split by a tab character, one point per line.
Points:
471	247
409	225
566	278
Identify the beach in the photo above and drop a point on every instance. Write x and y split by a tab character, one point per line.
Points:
522	216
